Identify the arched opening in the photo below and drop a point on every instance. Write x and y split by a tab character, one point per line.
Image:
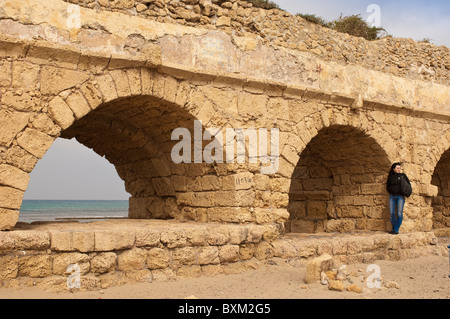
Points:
73	183
134	135
339	184
441	203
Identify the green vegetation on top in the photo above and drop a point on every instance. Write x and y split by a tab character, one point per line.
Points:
264	4
354	25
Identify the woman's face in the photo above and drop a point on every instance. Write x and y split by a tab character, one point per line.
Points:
398	169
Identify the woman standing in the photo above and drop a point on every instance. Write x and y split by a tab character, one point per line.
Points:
396	198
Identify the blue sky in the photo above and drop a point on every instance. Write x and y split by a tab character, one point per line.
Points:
402	19
71	171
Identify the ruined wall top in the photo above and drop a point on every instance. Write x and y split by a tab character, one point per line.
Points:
401	57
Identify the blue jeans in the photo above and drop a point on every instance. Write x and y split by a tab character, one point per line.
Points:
396	204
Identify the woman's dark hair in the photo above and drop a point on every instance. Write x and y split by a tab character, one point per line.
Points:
393	167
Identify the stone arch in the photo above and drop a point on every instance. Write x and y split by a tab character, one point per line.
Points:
306	129
116	105
441	202
339	182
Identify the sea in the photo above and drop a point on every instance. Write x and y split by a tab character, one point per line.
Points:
70	210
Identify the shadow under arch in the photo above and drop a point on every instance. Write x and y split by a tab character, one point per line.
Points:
134	134
338	184
441	202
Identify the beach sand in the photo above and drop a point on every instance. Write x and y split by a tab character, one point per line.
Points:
419	278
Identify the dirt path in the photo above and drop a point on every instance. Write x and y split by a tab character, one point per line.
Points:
420	278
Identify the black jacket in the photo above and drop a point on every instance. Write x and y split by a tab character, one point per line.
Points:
393	183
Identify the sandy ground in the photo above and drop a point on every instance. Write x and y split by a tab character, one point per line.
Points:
419	278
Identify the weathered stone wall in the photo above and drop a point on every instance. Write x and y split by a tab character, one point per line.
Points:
107	254
441	203
120	84
339	184
402	57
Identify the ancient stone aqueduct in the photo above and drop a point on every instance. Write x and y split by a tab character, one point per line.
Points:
121	75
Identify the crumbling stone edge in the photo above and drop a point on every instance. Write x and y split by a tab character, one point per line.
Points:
108	256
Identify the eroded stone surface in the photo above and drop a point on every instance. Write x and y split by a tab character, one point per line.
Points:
84	72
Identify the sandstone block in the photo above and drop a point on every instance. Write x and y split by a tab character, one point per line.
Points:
339	247
158	258
134	80
170	89
14	177
56	55
174	238
6	242
315	267
255	234
133	259
252	106
208	255
5	73
121	81
336	285
30	240
83	241
264	250
147	237
147	81
229	253
238	235
234	198
9	267
284	249
108	240
62	261
35	142
11	124
246	251
184	255
37	266
10	198
229	214
78	104
218	236
210	183
72	241
92	95
8	219
26	75
60	112
263	215
54	80
107	88
103	263
316	210
197	237
340	225
223	21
